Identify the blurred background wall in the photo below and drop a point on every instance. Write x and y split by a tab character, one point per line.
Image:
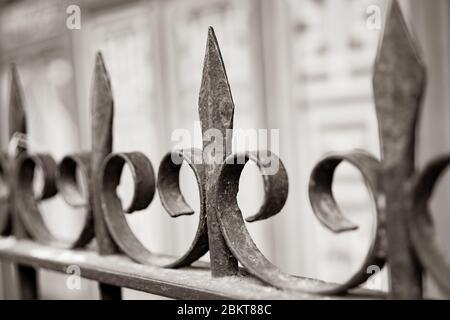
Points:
301	66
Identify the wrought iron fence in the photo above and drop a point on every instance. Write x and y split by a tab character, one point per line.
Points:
404	233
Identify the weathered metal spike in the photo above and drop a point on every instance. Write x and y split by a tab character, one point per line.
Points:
216	105
216	110
26	276
398	82
102	108
17	120
102	121
399	79
102	126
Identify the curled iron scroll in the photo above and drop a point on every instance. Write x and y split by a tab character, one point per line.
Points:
71	169
5	188
28	207
173	201
329	214
421	224
144	189
276	188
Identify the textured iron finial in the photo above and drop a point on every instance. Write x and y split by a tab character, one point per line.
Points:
26	276
17	121
102	113
216	109
102	110
399	79
28	218
102	126
17	132
17	143
168	181
216	106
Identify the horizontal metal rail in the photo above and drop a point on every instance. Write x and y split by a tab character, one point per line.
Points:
194	282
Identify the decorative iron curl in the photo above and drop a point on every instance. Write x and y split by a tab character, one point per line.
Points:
421	223
233	226
144	190
69	186
168	186
329	214
28	206
324	206
113	212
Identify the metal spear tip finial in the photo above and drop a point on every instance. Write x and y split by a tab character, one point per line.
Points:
17	120
398	82
397	51
102	107
102	82
216	105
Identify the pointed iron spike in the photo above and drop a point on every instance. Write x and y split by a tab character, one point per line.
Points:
17	119
216	106
102	109
102	122
399	79
101	78
397	35
102	126
26	277
216	110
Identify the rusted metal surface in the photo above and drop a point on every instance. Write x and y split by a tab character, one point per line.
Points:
168	186
17	127
27	205
193	282
216	110
102	126
421	224
102	139
74	174
144	189
399	79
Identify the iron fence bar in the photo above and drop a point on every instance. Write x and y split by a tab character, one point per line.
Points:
194	282
102	138
26	276
398	82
